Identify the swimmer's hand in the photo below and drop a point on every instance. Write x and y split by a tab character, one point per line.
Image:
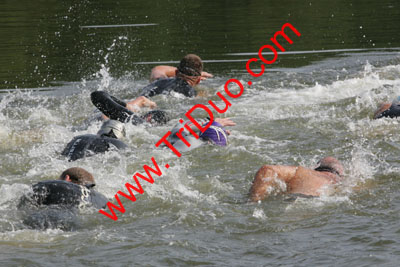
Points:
150	104
225	121
205	75
140	102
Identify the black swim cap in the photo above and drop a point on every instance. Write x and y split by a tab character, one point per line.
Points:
136	120
330	164
157	117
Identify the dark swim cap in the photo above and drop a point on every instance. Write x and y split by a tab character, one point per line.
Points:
158	117
216	134
330	164
136	120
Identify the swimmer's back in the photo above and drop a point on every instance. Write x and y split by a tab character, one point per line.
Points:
62	193
89	144
166	85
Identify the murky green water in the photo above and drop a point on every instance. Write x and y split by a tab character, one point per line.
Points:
316	100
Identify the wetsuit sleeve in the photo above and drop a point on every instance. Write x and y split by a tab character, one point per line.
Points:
153	89
111	106
119	101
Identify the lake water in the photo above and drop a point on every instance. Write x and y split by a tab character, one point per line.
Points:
317	99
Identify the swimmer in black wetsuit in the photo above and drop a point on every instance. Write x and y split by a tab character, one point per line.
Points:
386	109
112	130
90	144
54	203
181	79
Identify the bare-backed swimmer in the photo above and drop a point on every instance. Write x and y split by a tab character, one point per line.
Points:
296	179
53	203
112	131
386	109
182	79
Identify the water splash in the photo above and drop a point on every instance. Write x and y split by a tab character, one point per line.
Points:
104	72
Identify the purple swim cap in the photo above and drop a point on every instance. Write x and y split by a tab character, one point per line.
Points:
216	134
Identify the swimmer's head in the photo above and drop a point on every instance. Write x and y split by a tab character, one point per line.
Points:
156	117
215	134
77	175
113	129
191	65
331	164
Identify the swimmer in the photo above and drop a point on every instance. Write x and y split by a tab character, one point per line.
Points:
216	134
386	109
52	204
181	79
296	179
90	144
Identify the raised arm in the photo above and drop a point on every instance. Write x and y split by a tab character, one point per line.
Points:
225	121
270	177
205	75
110	106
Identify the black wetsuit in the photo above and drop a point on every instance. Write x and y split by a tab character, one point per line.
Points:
54	204
165	86
90	144
392	112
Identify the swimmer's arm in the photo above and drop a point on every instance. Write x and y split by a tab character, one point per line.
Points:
140	102
162	71
205	75
381	109
133	105
117	100
225	121
266	180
